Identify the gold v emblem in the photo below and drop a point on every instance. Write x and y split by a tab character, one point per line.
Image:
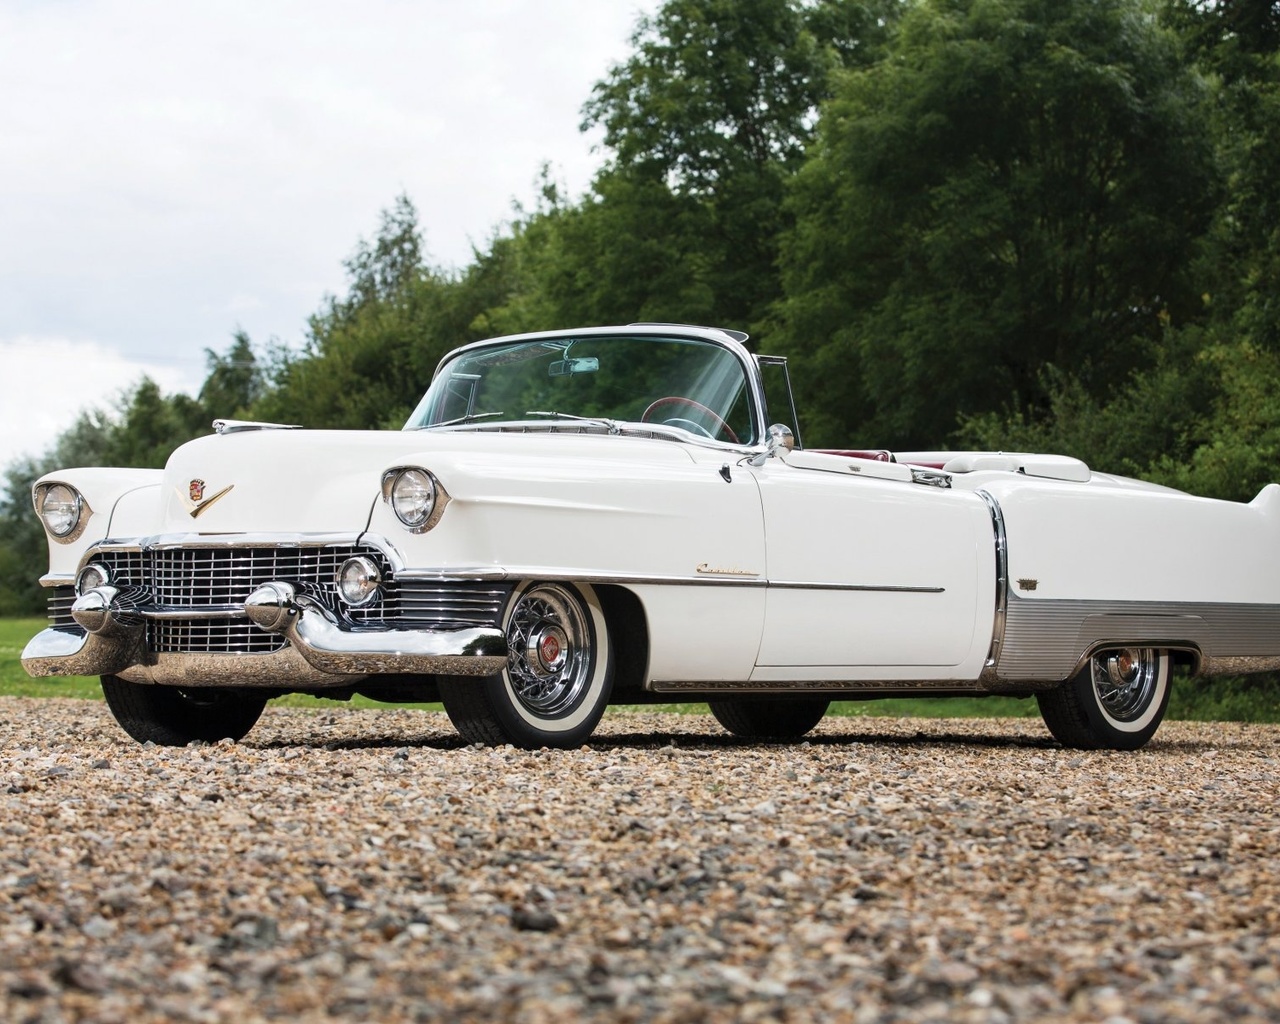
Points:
194	508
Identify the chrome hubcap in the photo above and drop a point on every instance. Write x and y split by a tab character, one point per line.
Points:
1125	681
550	642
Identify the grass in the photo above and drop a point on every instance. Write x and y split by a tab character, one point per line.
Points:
1247	699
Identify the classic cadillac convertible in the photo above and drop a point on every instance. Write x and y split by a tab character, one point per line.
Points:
576	518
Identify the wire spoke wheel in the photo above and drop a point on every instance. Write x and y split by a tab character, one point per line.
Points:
551	650
558	678
1124	681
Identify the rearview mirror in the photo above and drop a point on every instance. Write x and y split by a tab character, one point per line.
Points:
567	367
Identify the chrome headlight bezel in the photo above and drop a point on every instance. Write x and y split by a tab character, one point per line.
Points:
415	497
92	576
62	510
366	573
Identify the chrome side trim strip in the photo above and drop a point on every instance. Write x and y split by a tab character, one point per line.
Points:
870	588
824	687
1000	617
533	572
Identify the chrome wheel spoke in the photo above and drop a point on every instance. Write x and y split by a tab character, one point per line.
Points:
1125	681
550	658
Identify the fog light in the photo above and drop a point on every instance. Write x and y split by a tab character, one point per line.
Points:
91	577
358	581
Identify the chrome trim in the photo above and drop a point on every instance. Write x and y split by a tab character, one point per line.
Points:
1000	616
856	587
707	579
228	426
930	477
58	579
875	687
73	651
315	633
164	613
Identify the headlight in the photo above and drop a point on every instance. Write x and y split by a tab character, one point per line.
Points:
91	576
358	580
60	509
413	498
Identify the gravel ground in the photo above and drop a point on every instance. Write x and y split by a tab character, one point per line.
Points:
363	865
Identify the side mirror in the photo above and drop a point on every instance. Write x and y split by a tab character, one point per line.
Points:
778	439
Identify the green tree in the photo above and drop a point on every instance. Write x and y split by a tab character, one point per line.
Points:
234	381
705	122
1018	184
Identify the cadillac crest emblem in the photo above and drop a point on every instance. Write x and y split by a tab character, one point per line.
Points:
194	500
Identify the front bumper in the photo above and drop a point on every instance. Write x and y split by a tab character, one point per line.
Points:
109	639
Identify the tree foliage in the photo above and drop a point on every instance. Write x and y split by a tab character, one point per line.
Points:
1020	184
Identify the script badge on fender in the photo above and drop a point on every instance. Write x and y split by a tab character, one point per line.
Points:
192	502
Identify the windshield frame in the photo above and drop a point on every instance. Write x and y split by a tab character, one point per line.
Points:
711	336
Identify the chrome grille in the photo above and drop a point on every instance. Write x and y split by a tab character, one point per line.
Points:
60	600
447	605
210	636
204	578
200	577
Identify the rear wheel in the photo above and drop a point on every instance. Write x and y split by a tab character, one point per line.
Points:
1115	702
173	717
558	677
769	718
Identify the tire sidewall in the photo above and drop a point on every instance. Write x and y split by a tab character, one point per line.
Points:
572	726
1112	731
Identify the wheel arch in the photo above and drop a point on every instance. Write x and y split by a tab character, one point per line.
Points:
1182	654
628	625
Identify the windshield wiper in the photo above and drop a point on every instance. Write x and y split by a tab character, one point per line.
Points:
613	426
469	417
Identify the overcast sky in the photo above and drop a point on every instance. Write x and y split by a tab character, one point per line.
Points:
174	172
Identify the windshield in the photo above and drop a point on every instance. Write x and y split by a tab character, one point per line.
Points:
681	382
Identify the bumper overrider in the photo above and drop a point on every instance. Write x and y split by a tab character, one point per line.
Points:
320	651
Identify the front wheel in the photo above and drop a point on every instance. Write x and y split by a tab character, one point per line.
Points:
558	677
769	718
173	717
1115	702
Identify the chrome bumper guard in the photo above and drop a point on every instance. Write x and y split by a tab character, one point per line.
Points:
320	652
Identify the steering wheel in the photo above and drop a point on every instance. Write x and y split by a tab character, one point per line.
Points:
679	421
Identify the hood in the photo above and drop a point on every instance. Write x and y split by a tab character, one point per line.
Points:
327	481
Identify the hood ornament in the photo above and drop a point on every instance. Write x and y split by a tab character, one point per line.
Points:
194	500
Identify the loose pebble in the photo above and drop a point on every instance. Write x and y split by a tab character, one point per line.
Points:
367	865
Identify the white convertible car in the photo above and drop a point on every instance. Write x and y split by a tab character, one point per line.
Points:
576	518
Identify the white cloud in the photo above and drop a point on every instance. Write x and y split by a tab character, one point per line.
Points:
175	172
48	382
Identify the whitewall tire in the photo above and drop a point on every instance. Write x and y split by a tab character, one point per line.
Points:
558	678
1116	701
